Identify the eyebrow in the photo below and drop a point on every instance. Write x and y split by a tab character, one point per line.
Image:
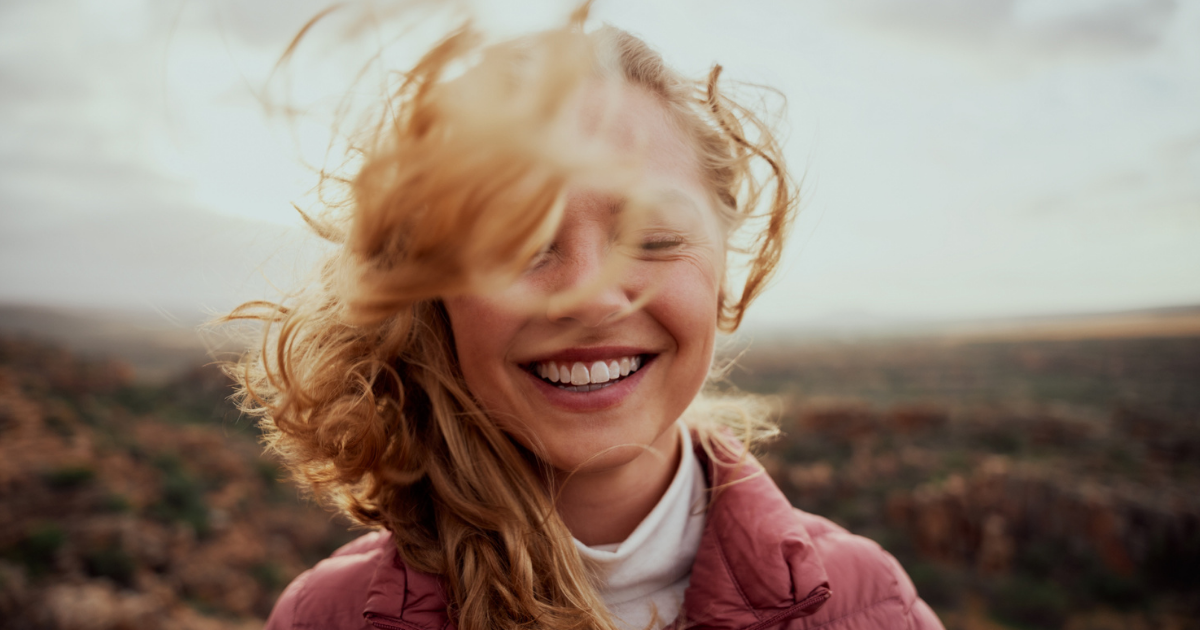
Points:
678	196
667	195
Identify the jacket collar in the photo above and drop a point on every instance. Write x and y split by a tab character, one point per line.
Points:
755	567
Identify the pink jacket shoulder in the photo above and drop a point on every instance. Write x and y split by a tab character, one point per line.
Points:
762	565
871	591
332	593
362	586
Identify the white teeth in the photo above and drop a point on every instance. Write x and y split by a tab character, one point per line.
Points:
579	374
599	372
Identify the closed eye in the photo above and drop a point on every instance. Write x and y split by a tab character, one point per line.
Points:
659	244
541	257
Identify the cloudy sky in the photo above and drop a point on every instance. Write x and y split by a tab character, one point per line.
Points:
961	159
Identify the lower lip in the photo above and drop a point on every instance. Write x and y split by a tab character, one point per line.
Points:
597	400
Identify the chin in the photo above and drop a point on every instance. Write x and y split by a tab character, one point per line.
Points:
599	453
600	460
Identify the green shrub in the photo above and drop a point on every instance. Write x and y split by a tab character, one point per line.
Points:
116	503
1120	592
37	548
60	425
268	471
938	586
70	477
182	498
268	575
1030	603
1002	441
1039	558
110	562
139	399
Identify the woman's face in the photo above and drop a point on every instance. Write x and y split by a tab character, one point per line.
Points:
588	383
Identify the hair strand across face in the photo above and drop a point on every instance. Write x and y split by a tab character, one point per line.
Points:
356	385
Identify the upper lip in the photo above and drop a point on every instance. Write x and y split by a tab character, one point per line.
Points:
585	355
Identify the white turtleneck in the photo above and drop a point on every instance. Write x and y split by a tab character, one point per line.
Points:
649	571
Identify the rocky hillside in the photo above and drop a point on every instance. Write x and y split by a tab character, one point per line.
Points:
136	506
1049	482
1023	484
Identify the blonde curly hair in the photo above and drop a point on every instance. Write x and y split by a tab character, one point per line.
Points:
356	385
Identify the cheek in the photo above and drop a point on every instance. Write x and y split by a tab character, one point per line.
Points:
686	305
482	333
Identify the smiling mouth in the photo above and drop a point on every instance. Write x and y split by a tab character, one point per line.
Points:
582	377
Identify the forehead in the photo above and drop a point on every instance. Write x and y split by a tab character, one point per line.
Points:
636	123
668	187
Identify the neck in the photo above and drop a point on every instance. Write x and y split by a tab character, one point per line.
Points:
604	507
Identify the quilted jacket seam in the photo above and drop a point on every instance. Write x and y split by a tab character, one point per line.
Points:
296	625
737	585
908	608
863	609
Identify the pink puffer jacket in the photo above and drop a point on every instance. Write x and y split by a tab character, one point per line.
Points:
761	565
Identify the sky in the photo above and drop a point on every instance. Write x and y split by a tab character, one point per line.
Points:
959	159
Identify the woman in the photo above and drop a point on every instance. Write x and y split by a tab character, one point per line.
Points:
499	369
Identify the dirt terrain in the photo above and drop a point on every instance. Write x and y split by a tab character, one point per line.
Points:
1036	474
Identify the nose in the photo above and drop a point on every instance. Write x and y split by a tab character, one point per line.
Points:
590	287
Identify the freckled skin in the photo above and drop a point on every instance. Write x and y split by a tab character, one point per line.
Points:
676	269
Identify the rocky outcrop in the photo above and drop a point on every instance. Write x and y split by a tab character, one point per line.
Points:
121	506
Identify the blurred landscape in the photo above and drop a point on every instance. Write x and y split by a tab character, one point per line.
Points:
131	493
959	160
1028	474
